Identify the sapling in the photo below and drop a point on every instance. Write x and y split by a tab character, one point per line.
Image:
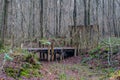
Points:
111	43
110	49
6	58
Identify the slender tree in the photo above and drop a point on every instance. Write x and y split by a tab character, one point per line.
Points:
4	23
85	12
75	25
97	4
41	18
103	13
56	17
88	13
114	17
60	15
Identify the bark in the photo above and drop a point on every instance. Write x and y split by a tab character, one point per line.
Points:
51	18
60	15
4	24
41	18
103	13
85	12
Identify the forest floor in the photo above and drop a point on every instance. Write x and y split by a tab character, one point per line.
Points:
71	69
68	69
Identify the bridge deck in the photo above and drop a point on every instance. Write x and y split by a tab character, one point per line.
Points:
57	50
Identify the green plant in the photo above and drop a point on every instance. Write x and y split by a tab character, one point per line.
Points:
62	76
108	73
110	43
25	72
86	59
11	72
6	58
28	64
115	75
82	78
4	49
114	41
1	44
45	42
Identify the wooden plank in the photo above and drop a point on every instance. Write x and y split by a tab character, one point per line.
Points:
55	48
48	50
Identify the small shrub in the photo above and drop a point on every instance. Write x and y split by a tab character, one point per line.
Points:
11	72
115	75
1	44
63	76
26	65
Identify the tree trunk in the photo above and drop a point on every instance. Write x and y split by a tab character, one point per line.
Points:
41	18
75	25
60	15
4	24
88	12
114	17
103	30
85	12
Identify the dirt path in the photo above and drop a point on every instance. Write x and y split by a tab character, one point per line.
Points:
68	69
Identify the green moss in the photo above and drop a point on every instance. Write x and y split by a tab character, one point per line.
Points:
25	73
30	66
30	73
27	65
36	73
4	50
11	72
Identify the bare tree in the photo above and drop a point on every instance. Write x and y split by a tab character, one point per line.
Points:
60	15
41	18
87	12
4	23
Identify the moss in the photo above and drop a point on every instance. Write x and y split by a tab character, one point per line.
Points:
25	73
36	73
30	73
36	66
27	65
30	67
11	72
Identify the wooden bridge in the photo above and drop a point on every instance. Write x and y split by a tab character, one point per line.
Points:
52	54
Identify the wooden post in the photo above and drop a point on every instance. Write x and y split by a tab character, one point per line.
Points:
55	56
40	56
45	56
75	53
61	56
52	50
49	53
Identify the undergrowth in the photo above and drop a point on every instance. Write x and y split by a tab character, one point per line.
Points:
103	49
25	64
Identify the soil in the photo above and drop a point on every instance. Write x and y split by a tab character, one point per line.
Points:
68	69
